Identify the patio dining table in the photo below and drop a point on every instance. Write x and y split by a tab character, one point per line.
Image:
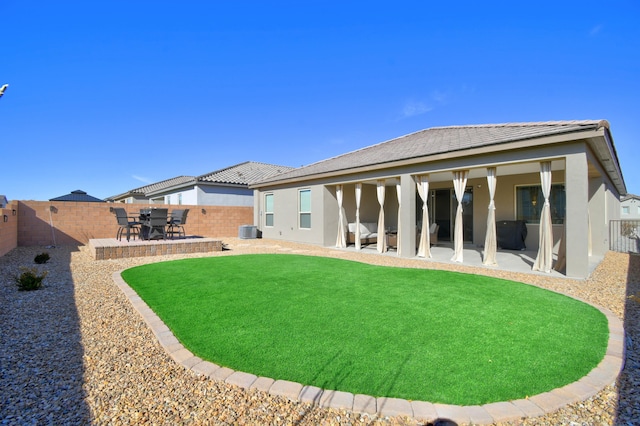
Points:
149	231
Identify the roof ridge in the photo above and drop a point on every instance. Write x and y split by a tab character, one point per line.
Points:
603	123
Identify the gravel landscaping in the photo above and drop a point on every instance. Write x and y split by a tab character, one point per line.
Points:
76	352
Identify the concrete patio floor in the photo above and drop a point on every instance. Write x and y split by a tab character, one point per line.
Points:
508	260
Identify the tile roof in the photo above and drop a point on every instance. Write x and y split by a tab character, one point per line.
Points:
239	174
244	173
438	140
630	197
157	186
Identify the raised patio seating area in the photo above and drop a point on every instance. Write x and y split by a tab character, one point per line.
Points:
111	248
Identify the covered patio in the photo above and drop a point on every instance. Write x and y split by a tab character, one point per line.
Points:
560	180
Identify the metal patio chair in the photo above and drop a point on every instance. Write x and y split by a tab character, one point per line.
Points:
125	223
176	223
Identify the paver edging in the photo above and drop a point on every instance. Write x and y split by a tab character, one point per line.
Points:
604	374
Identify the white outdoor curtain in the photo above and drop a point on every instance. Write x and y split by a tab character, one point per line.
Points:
358	196
459	183
545	247
589	238
424	249
490	242
341	240
382	240
399	230
562	250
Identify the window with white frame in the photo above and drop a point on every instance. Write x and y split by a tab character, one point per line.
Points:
304	209
180	198
167	199
268	209
529	202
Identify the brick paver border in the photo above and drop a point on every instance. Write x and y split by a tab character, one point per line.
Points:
603	375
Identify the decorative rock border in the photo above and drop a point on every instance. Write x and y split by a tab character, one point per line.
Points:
603	375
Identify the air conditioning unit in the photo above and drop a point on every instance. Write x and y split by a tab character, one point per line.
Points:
248	232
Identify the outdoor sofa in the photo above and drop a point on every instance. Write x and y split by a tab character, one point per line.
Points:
368	233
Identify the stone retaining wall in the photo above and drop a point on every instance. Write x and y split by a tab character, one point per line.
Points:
107	248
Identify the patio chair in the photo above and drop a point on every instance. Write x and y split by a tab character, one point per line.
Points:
131	226
433	233
156	225
177	222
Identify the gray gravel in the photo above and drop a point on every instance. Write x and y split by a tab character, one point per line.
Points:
75	352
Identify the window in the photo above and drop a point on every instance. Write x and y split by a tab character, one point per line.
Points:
305	208
529	202
180	198
625	209
268	209
167	199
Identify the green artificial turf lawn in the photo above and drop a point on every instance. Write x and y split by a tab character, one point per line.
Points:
416	334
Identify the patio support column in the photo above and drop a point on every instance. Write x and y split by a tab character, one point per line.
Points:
358	196
577	227
407	215
382	240
490	241
399	226
424	247
341	240
459	184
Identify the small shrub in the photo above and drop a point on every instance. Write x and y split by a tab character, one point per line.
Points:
42	258
29	279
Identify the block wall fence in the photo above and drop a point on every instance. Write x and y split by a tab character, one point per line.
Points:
9	228
42	223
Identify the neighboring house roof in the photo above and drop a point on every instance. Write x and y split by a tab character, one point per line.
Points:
439	140
244	173
630	197
144	190
238	175
78	195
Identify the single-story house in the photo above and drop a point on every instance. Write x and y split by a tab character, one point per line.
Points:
630	207
224	187
562	180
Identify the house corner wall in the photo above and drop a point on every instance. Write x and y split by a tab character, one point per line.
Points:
577	208
598	221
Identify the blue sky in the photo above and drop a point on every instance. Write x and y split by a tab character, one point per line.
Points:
109	96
